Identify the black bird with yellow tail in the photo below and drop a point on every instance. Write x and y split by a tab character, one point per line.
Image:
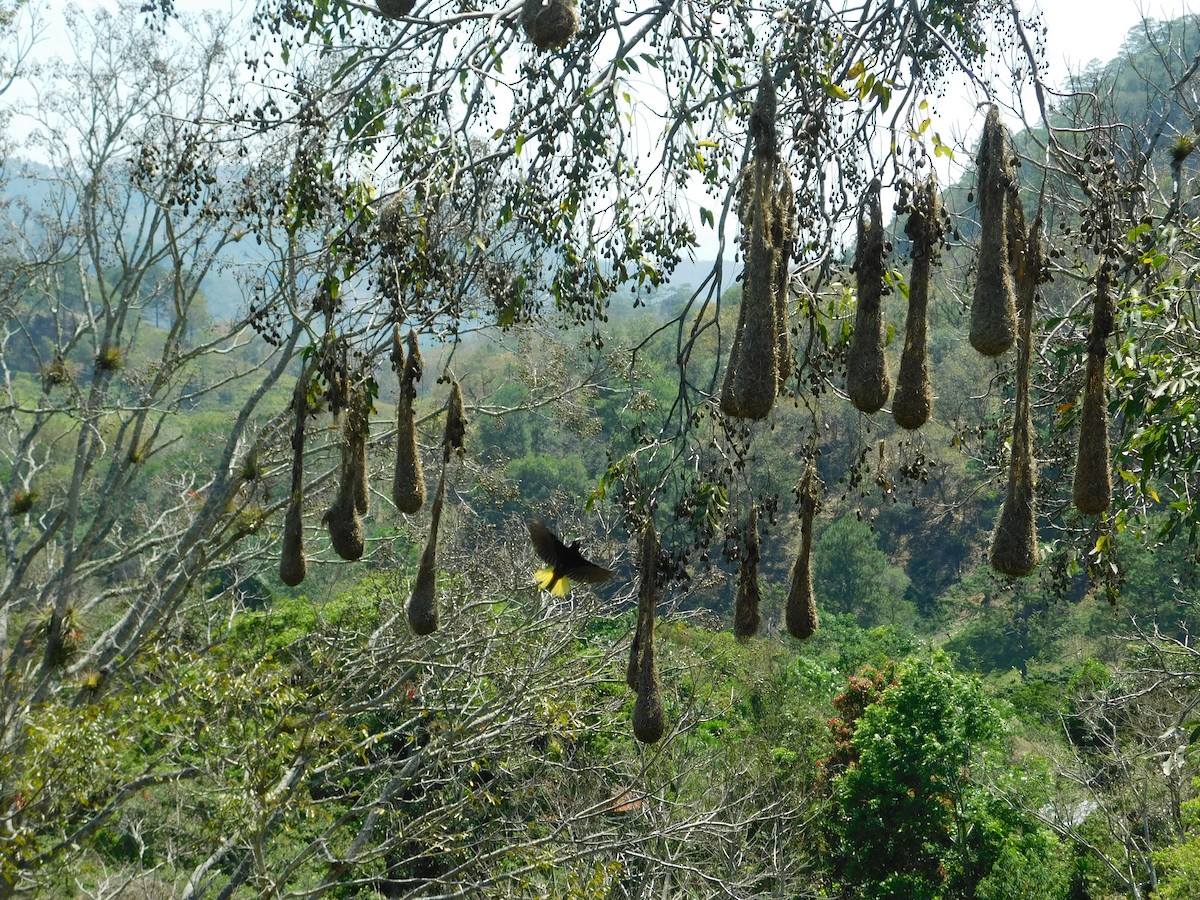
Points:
565	562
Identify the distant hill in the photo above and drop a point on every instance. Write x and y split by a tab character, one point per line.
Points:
29	189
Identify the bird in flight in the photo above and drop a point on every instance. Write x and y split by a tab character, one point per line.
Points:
565	562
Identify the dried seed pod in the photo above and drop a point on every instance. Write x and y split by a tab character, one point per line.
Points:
648	715
994	306
549	23
422	604
746	616
914	396
293	563
801	618
783	238
1093	471
867	380
395	9
456	423
1014	550
408	482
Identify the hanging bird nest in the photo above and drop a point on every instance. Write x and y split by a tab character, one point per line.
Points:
867	380
549	23
801	616
648	595
730	404
746	616
1093	467
755	380
456	423
760	357
422	607
345	529
358	423
408	482
648	715
344	517
762	129
1014	550
994	305
783	238
293	563
395	9
914	395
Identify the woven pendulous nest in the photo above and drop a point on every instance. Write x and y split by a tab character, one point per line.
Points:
801	617
755	380
408	481
1014	550
344	517
395	9
994	306
1093	468
648	591
762	130
293	562
760	357
783	238
730	404
746	616
422	607
867	380
914	396
549	23
456	423
358	419
649	721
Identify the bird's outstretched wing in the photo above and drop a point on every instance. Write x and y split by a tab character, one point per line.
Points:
564	561
545	544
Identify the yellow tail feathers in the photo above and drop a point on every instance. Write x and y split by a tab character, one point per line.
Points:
547	582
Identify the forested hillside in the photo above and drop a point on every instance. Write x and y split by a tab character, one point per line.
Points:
887	554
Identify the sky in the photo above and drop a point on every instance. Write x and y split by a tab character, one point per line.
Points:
1083	30
1078	31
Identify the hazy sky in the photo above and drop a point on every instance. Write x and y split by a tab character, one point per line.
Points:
1079	31
1083	30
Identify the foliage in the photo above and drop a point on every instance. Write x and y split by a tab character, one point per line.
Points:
1031	866
1180	863
914	820
852	575
429	169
